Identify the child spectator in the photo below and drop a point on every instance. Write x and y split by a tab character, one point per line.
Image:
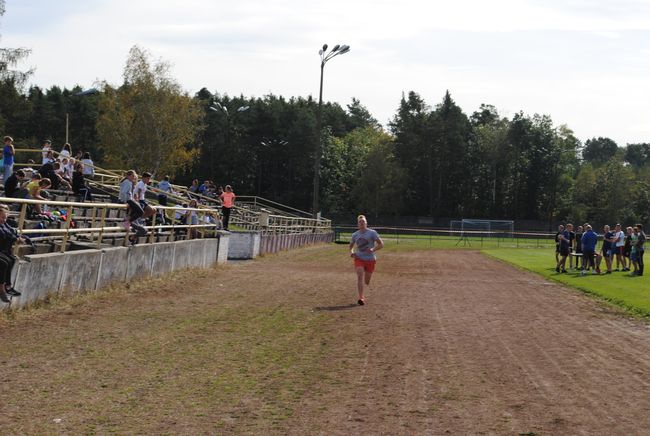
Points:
8	153
35	189
133	210
139	195
564	243
166	187
79	186
89	167
13	188
47	147
66	151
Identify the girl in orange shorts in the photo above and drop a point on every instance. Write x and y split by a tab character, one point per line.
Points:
367	242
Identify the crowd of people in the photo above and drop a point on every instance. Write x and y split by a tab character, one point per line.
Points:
625	248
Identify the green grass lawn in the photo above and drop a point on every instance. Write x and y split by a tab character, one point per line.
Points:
631	293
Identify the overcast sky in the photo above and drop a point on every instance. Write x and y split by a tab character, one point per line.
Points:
586	63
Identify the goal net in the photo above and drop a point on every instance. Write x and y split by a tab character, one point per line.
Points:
483	228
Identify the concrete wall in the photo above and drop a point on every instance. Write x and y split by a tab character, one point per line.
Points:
244	245
45	274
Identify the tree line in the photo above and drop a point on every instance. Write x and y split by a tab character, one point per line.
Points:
434	161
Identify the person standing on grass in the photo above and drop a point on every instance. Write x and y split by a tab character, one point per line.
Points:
627	249
367	242
640	248
588	242
565	249
608	247
227	202
560	230
579	233
619	246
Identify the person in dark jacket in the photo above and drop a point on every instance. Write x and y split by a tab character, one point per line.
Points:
79	186
8	236
13	187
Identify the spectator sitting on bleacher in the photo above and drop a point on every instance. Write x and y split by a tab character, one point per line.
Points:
35	189
67	168
66	151
133	210
89	166
13	185
8	236
48	171
49	158
79	186
194	187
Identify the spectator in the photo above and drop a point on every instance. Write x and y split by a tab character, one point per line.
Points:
204	188
79	186
8	153
194	187
89	167
572	240
13	188
35	189
8	236
578	246
627	249
564	249
640	248
227	202
133	210
68	168
607	249
139	195
66	151
589	241
558	233
619	246
166	187
47	147
49	158
48	171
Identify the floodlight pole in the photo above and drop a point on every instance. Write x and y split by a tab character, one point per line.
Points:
324	57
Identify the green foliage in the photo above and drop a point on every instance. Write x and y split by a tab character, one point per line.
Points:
148	123
599	150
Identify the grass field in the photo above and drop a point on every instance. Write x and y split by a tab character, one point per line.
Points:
632	293
424	241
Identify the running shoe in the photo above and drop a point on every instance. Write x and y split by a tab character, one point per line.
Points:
13	292
361	302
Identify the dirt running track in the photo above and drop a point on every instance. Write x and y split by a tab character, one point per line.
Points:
449	343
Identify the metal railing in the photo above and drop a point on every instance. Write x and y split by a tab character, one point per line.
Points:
95	222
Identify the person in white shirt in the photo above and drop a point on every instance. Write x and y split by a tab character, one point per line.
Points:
47	146
619	241
139	195
89	167
67	150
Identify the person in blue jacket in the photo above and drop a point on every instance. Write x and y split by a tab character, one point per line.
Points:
589	241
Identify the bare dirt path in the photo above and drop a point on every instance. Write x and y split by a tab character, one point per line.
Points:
450	343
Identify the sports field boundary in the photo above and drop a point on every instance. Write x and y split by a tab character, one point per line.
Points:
617	303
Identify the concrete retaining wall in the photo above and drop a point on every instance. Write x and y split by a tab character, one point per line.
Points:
244	245
45	274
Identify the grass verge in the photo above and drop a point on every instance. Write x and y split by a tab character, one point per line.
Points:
619	288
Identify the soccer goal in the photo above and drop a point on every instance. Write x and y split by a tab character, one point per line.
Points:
483	228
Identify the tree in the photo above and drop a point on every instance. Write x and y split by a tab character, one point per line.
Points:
10	57
599	150
148	123
637	155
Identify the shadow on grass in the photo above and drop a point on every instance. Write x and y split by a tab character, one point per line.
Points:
335	308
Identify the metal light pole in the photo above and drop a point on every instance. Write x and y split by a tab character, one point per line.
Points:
324	57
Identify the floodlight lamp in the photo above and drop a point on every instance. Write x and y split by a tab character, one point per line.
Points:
336	47
324	47
243	108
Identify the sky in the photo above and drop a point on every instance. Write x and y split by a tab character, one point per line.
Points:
586	63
